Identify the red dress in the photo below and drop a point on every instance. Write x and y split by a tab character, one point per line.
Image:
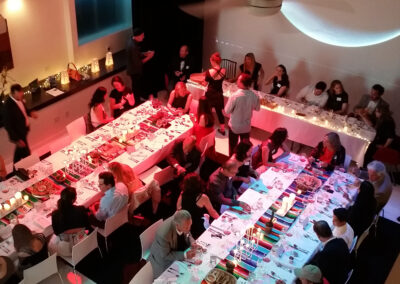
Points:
200	132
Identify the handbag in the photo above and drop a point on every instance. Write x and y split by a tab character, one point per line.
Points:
73	73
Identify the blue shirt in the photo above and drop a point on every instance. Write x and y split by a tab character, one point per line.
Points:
113	201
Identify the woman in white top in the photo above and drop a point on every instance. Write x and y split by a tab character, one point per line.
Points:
98	116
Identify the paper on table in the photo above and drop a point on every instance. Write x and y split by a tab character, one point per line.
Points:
55	92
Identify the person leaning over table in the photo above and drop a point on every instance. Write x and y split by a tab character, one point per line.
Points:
220	189
264	156
180	99
184	157
16	121
173	242
242	155
334	258
381	181
280	81
329	152
121	97
342	229
338	100
254	69
98	116
313	95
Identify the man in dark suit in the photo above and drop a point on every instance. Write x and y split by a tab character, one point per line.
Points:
180	68
171	242
16	121
334	258
185	157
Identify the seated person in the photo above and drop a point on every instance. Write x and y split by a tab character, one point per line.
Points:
266	151
342	229
280	81
309	274
180	68
381	181
242	155
220	189
338	100
7	271
334	258
69	223
313	95
31	248
180	99
204	123
329	152
171	242
3	170
98	116
367	105
121	98
137	193
196	203
184	157
115	198
362	212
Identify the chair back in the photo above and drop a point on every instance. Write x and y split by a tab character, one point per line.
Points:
144	275
27	162
165	175
115	222
84	247
147	238
76	128
347	161
41	271
353	244
207	142
230	67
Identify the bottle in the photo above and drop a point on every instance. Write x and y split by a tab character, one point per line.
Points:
270	224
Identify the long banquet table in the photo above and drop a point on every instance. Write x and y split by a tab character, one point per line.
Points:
292	241
140	144
305	124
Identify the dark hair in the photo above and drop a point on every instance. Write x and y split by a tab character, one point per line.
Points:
229	164
321	85
216	57
137	31
245	79
341	214
15	88
204	109
366	195
333	84
117	79
285	76
108	178
379	88
67	199
22	236
279	136
191	186
98	97
334	140
241	150
322	229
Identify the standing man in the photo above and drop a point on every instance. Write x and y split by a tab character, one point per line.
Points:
181	67
16	121
240	106
136	59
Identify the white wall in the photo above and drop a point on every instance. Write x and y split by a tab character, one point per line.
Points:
234	31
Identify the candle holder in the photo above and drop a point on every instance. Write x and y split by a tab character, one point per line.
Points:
12	204
95	67
64	78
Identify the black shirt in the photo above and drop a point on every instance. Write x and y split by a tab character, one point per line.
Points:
184	65
385	129
335	102
277	84
117	96
76	217
134	58
254	75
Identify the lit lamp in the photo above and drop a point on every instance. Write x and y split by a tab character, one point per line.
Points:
109	58
64	78
95	65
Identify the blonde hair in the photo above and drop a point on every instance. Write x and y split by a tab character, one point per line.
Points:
253	62
125	174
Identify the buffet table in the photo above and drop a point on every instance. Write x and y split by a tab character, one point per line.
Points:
140	138
306	124
261	256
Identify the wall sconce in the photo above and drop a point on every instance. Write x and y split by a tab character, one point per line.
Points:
95	66
64	78
14	5
109	58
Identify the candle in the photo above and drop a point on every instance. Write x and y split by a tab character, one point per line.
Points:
6	207
18	195
64	78
1	207
299	192
95	66
26	197
12	201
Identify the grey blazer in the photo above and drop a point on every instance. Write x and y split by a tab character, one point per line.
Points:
364	101
163	250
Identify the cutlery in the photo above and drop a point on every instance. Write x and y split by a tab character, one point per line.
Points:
218	229
299	249
284	267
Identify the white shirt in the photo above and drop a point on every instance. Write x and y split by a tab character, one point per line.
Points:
307	93
345	232
371	106
113	201
22	108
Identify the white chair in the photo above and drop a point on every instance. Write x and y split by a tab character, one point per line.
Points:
347	161
76	128
144	275
353	244
165	175
365	234
148	175
27	162
82	249
60	143
147	238
41	271
114	223
207	141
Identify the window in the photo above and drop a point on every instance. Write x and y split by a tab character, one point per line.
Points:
98	18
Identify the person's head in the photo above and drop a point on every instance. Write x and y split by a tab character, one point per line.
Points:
183	221
22	236
99	97
376	171
336	87
319	88
215	59
249	60
106	181
244	81
67	199
204	109
382	112
138	34
17	92
243	150
376	92
332	141
183	51
309	274
279	136
118	83
339	217
188	143
122	173
191	185
230	168
180	89
281	70
322	230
